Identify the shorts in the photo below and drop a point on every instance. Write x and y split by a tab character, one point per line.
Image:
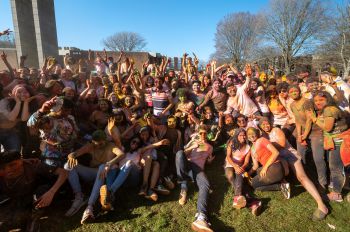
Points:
290	155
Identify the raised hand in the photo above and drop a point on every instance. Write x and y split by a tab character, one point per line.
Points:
48	105
3	56
110	125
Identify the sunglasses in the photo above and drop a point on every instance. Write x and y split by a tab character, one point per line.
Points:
202	133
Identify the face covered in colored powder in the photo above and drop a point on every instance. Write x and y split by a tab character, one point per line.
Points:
172	122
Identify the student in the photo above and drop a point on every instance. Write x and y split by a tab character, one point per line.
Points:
20	178
270	176
193	158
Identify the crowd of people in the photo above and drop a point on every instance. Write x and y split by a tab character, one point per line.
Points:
102	121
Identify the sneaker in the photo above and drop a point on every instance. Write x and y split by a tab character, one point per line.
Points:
333	196
201	226
106	198
168	183
88	215
183	197
77	204
161	190
256	207
239	202
152	196
285	189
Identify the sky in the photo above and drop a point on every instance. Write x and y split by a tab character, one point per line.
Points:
169	27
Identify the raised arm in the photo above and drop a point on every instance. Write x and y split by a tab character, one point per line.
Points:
8	65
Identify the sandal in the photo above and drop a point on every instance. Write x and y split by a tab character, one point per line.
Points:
319	215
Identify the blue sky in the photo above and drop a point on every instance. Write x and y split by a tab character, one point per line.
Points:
170	27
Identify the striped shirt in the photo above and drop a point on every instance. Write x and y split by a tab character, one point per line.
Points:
160	101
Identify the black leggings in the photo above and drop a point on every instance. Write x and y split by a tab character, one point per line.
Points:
271	182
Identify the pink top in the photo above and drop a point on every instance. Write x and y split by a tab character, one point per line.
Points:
200	154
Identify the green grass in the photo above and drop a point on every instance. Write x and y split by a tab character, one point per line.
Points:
136	214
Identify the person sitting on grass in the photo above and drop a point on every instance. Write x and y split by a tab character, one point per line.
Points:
20	178
237	162
101	151
112	175
193	158
277	137
270	176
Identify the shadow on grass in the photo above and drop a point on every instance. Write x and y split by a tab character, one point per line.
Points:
218	182
218	225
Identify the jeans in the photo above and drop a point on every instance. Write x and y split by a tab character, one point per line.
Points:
336	168
271	182
10	140
183	167
86	173
236	181
318	156
128	173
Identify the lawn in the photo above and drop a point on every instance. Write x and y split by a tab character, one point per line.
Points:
134	213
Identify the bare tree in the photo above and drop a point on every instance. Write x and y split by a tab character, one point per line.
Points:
336	48
125	41
342	23
235	36
294	26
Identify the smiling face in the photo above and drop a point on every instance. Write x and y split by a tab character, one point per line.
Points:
208	114
195	87
216	85
203	135
232	91
294	93
320	102
265	126
252	136
283	93
242	137
241	122
253	85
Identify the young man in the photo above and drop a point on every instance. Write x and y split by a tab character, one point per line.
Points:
101	151
20	178
193	158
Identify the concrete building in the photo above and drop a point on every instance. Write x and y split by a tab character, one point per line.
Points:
35	29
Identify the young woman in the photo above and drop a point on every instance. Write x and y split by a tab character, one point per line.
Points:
288	153
271	174
13	111
279	113
237	161
332	122
257	94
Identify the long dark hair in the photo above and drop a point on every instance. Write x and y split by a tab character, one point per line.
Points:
235	143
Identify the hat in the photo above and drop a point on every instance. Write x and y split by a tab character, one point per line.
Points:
9	156
99	135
